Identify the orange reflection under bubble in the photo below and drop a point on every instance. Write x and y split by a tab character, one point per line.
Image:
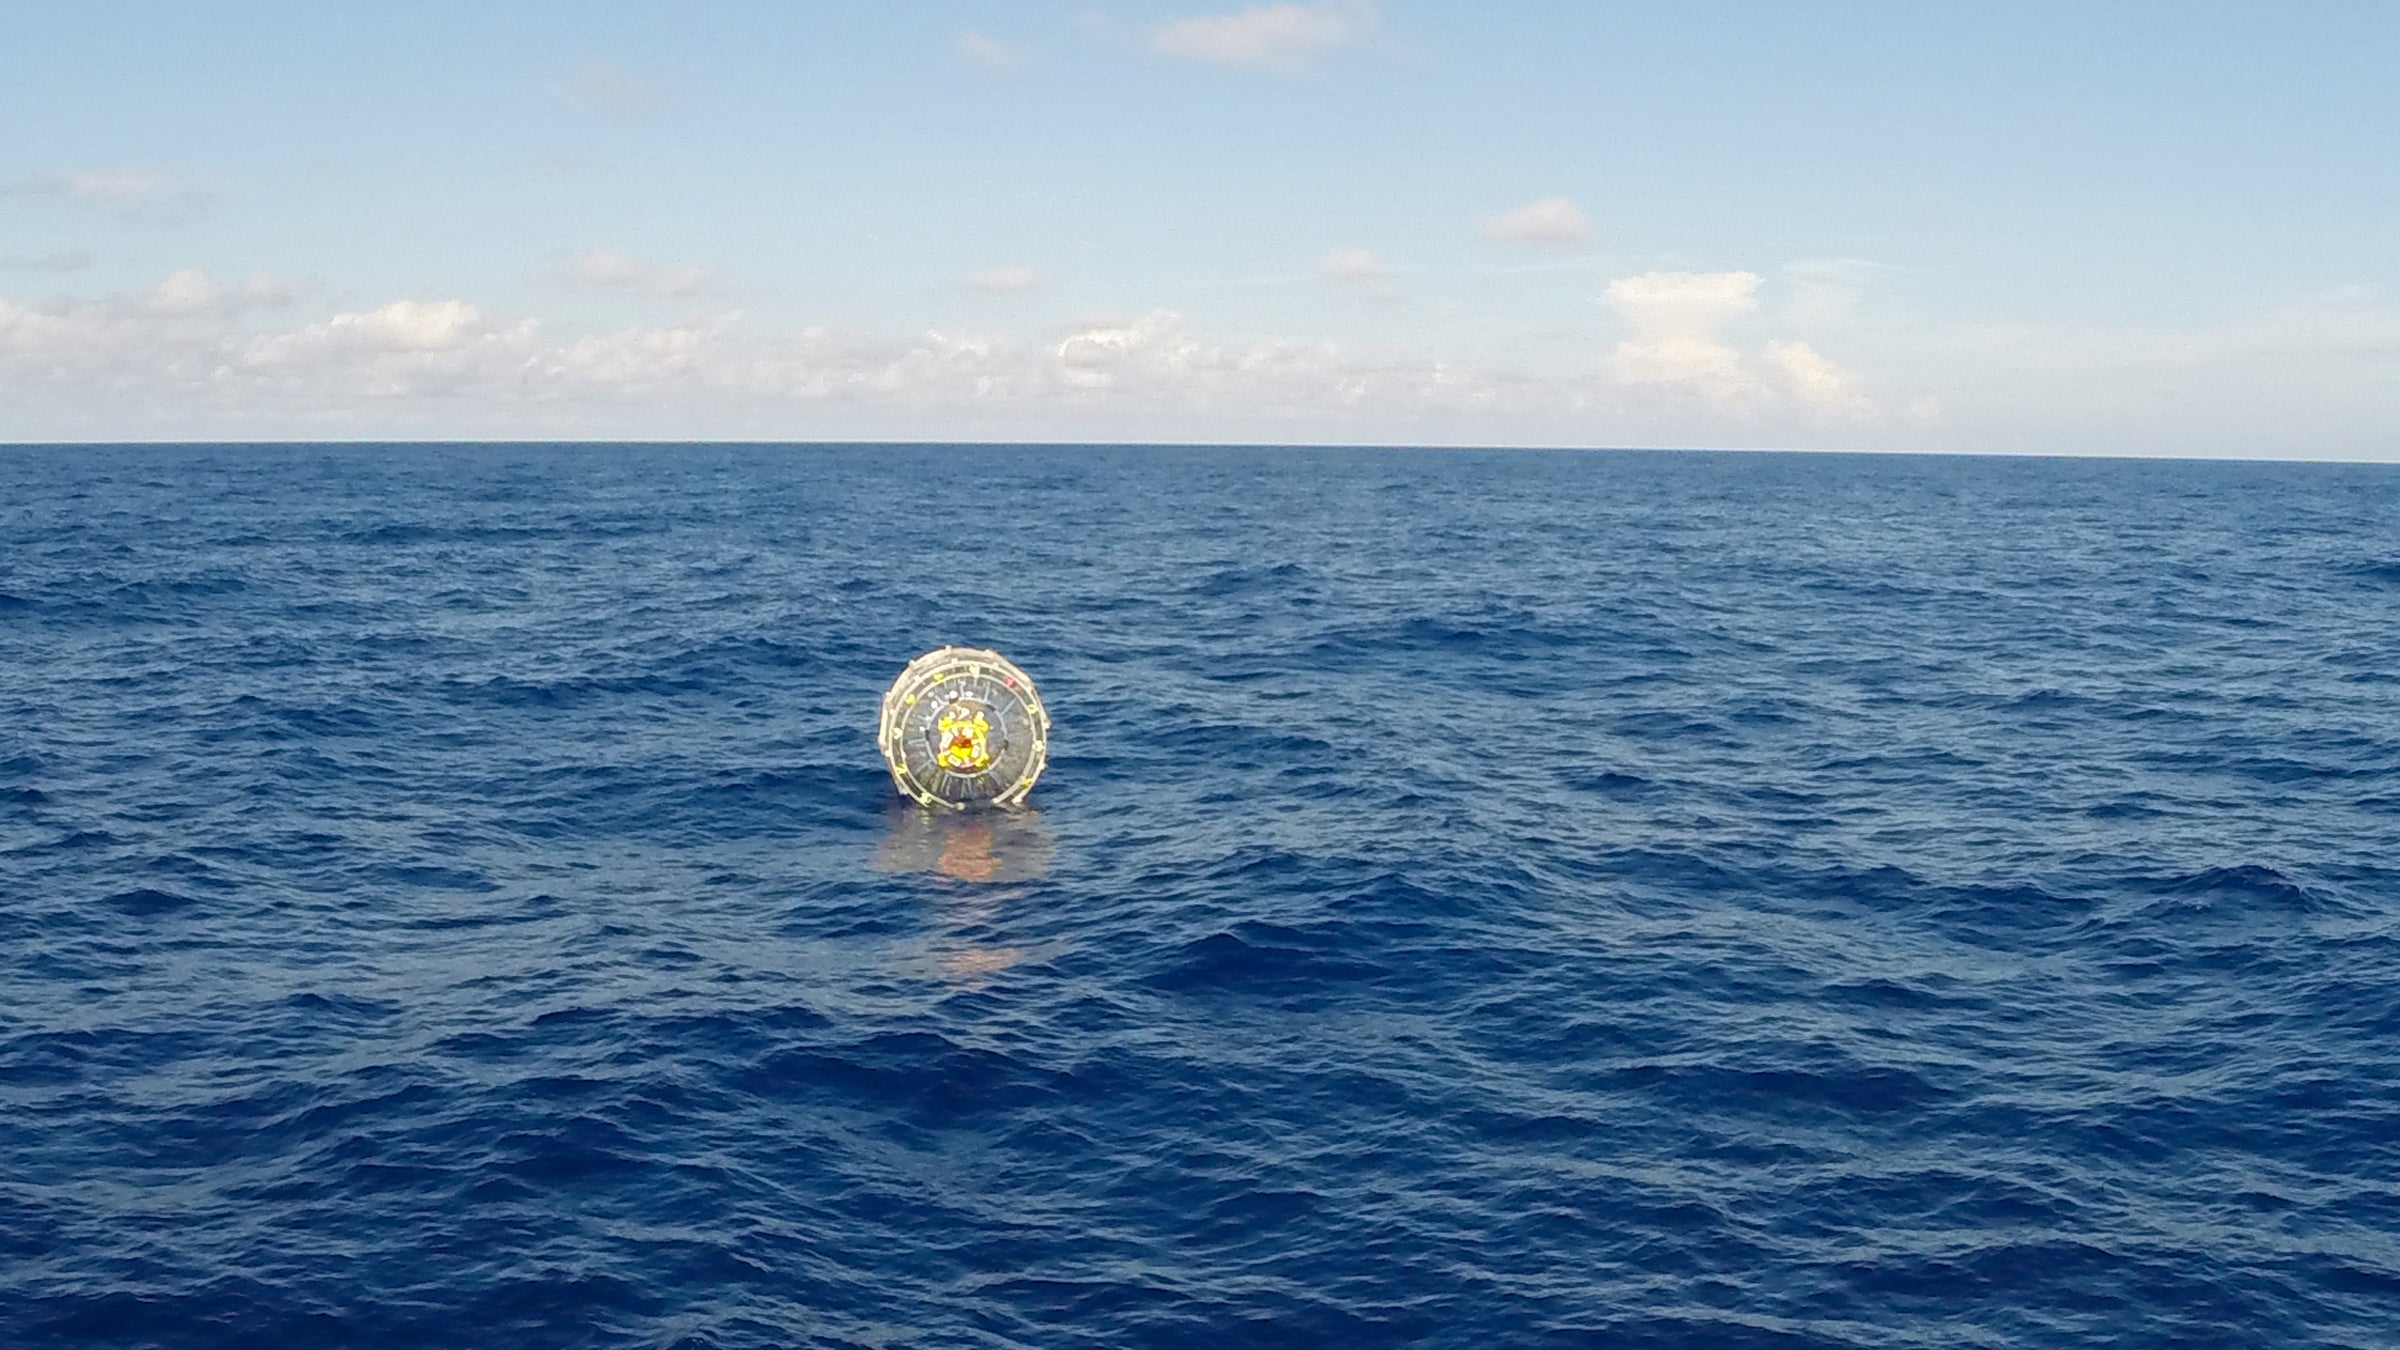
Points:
984	847
990	851
967	854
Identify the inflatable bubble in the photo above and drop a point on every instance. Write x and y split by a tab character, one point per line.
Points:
964	727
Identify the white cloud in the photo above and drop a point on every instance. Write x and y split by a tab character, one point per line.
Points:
1715	370
403	326
1157	364
411	325
1679	342
1678	339
991	53
1671	303
74	261
152	344
1004	280
65	340
602	90
1552	222
606	270
184	292
1355	265
631	361
189	291
403	350
130	191
1819	385
1095	357
266	290
117	187
1284	38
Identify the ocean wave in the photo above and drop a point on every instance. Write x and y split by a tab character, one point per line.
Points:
450	896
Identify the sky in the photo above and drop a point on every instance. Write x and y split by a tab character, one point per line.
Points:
2132	228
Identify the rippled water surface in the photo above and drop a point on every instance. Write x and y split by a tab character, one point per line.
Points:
449	896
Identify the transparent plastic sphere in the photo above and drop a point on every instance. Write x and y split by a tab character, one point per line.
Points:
962	726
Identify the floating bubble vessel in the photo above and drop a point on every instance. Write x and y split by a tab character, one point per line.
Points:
961	727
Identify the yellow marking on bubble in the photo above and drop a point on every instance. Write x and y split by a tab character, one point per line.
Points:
966	742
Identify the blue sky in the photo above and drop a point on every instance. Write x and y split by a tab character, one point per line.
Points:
2149	229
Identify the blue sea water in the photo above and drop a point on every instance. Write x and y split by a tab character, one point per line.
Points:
449	896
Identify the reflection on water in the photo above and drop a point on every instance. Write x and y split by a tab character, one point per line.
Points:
981	846
991	850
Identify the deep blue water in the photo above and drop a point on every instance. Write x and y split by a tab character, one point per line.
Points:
449	897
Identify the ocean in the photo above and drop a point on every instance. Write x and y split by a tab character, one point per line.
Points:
449	896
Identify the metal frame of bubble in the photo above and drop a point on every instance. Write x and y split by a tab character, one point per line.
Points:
963	727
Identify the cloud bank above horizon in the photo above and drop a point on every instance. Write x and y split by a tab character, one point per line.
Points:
235	350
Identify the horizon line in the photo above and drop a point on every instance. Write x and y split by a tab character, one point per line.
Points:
927	443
